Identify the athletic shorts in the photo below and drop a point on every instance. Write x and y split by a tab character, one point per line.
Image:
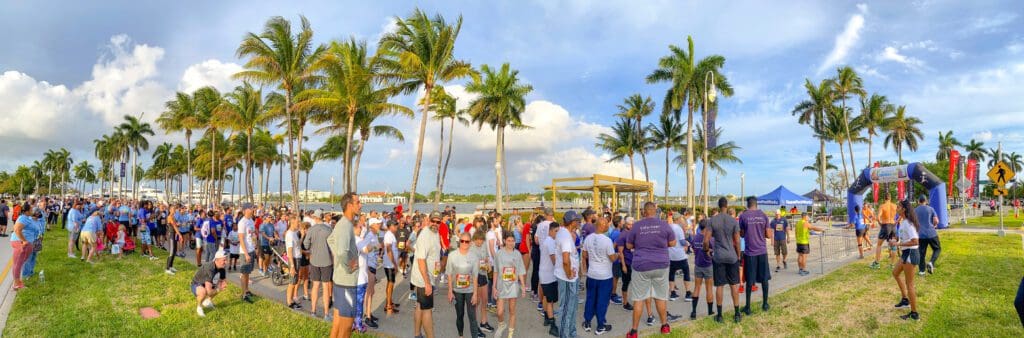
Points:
321	273
910	256
780	247
756	268
649	284
194	288
389	273
550	291
703	272
145	238
861	232
425	302
803	249
344	299
627	277
233	256
886	231
246	267
265	250
726	273
294	276
675	266
87	238
481	280
617	270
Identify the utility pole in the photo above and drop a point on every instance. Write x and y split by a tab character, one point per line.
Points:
999	157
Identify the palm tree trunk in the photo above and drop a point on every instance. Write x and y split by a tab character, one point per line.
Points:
870	145
821	165
666	173
419	147
437	181
689	160
135	173
307	187
842	154
188	170
291	153
348	148
359	158
213	161
248	167
444	172
280	184
497	170
846	124
632	172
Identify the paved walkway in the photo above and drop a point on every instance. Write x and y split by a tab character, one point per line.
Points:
6	281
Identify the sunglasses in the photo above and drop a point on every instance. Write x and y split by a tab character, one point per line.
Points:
464	241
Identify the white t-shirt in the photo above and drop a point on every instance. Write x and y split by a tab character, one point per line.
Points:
542	231
361	241
390	243
495	236
565	243
547	269
677	253
907	232
427	248
373	241
598	249
248	228
233	239
291	242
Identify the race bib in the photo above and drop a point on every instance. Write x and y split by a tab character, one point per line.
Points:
508	274
778	227
437	268
401	245
462	281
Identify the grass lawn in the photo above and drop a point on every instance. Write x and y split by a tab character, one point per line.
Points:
990	221
971	294
103	300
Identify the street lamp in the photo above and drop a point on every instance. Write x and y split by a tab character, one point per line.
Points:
742	181
331	196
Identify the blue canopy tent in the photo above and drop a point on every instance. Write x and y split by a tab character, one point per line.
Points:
782	196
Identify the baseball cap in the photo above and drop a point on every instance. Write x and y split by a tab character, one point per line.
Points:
435	215
220	254
318	213
570	216
373	221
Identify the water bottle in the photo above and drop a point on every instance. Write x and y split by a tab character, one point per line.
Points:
42	276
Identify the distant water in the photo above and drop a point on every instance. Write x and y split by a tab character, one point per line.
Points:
462	208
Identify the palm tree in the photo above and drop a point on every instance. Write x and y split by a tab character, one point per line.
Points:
812	112
243	110
162	161
84	172
817	164
444	107
420	52
668	135
975	150
716	156
181	115
1015	160
134	132
620	144
366	123
306	162
873	112
64	163
946	143
208	101
500	105
834	130
903	130
847	82
994	156
37	170
50	158
636	107
278	57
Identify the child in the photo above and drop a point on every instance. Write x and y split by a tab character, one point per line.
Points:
146	236
233	240
509	282
119	243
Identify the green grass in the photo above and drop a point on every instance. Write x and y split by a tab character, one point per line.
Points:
989	221
103	300
971	294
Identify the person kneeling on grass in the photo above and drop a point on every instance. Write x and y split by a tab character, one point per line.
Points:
203	286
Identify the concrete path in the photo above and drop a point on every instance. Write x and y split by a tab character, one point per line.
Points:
837	244
6	281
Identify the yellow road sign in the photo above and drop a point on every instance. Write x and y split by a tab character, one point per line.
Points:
1000	174
999	192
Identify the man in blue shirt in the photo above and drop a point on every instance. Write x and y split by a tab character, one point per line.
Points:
780	228
857	222
124	214
928	236
74	226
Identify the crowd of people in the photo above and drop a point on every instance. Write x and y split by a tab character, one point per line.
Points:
487	264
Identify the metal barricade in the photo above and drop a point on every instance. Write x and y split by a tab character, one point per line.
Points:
834	245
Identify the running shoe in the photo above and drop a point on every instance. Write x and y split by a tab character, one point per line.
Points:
746	310
673	296
207	303
603	329
650	320
765	307
910	316
693	315
689	296
736	318
875	265
665	329
631	334
540	306
486	327
920	273
903	303
200	312
627	307
718	318
671	318
169	272
931	268
616	299
553	331
586	326
501	328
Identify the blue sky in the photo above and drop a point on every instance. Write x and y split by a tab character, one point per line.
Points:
69	70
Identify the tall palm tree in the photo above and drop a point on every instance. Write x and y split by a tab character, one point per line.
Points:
637	107
903	130
84	172
812	112
279	57
134	132
620	144
367	124
1015	160
975	150
420	53
50	159
946	143
181	116
720	154
64	162
444	108
817	164
208	101
306	162
163	162
835	130
500	105
668	135
873	112
243	110
848	83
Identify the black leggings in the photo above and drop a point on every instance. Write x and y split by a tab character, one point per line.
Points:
462	303
535	279
173	252
923	245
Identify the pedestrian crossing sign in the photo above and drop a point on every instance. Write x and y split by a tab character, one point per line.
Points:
1001	173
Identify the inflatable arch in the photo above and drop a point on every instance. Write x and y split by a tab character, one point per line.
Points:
913	171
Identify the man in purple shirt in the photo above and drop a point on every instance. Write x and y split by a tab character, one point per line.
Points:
754	229
651	237
589	219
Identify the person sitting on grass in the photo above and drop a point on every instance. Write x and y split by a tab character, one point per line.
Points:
203	286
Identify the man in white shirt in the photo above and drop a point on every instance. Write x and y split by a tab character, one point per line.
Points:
391	257
247	246
567	267
546	272
598	254
426	266
678	260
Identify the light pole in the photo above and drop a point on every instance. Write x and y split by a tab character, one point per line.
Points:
742	181
709	83
999	209
330	198
693	202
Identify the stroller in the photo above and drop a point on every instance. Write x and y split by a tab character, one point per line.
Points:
280	266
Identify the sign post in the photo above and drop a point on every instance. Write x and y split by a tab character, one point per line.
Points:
1000	174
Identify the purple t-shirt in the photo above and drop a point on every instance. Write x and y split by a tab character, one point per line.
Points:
752	227
586	230
621	242
702	259
650	238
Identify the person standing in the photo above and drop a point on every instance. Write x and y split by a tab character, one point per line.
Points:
780	241
887	229
724	238
651	240
321	271
929	237
172	221
342	244
702	272
462	270
390	261
803	242
548	283
567	266
39	226
22	240
4	210
857	223
509	282
907	242
598	254
247	246
679	260
74	226
425	269
88	236
294	251
754	229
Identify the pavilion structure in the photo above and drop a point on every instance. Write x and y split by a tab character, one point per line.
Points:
601	186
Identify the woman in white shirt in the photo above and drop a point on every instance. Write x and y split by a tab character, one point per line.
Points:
909	259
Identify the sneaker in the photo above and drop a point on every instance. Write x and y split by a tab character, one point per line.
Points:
548	321
369	323
920	273
480	335
875	265
511	333
671	318
911	316
208	303
673	296
718	318
553	331
173	269
616	299
650	320
903	303
540	307
200	312
486	327
72	256
931	270
746	310
631	334
586	326
247	299
627	307
765	307
665	329
777	268
736	318
603	329
501	328
693	315
169	272
689	296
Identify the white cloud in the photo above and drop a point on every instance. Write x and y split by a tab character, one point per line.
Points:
123	81
211	72
870	71
983	136
893	54
572	162
990	24
845	40
1015	47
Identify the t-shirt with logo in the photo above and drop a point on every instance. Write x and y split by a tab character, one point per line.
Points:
753	224
462	269
598	248
649	238
509	266
780	226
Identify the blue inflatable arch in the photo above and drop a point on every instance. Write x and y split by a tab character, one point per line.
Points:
910	172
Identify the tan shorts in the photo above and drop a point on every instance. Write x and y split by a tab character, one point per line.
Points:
780	248
87	238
